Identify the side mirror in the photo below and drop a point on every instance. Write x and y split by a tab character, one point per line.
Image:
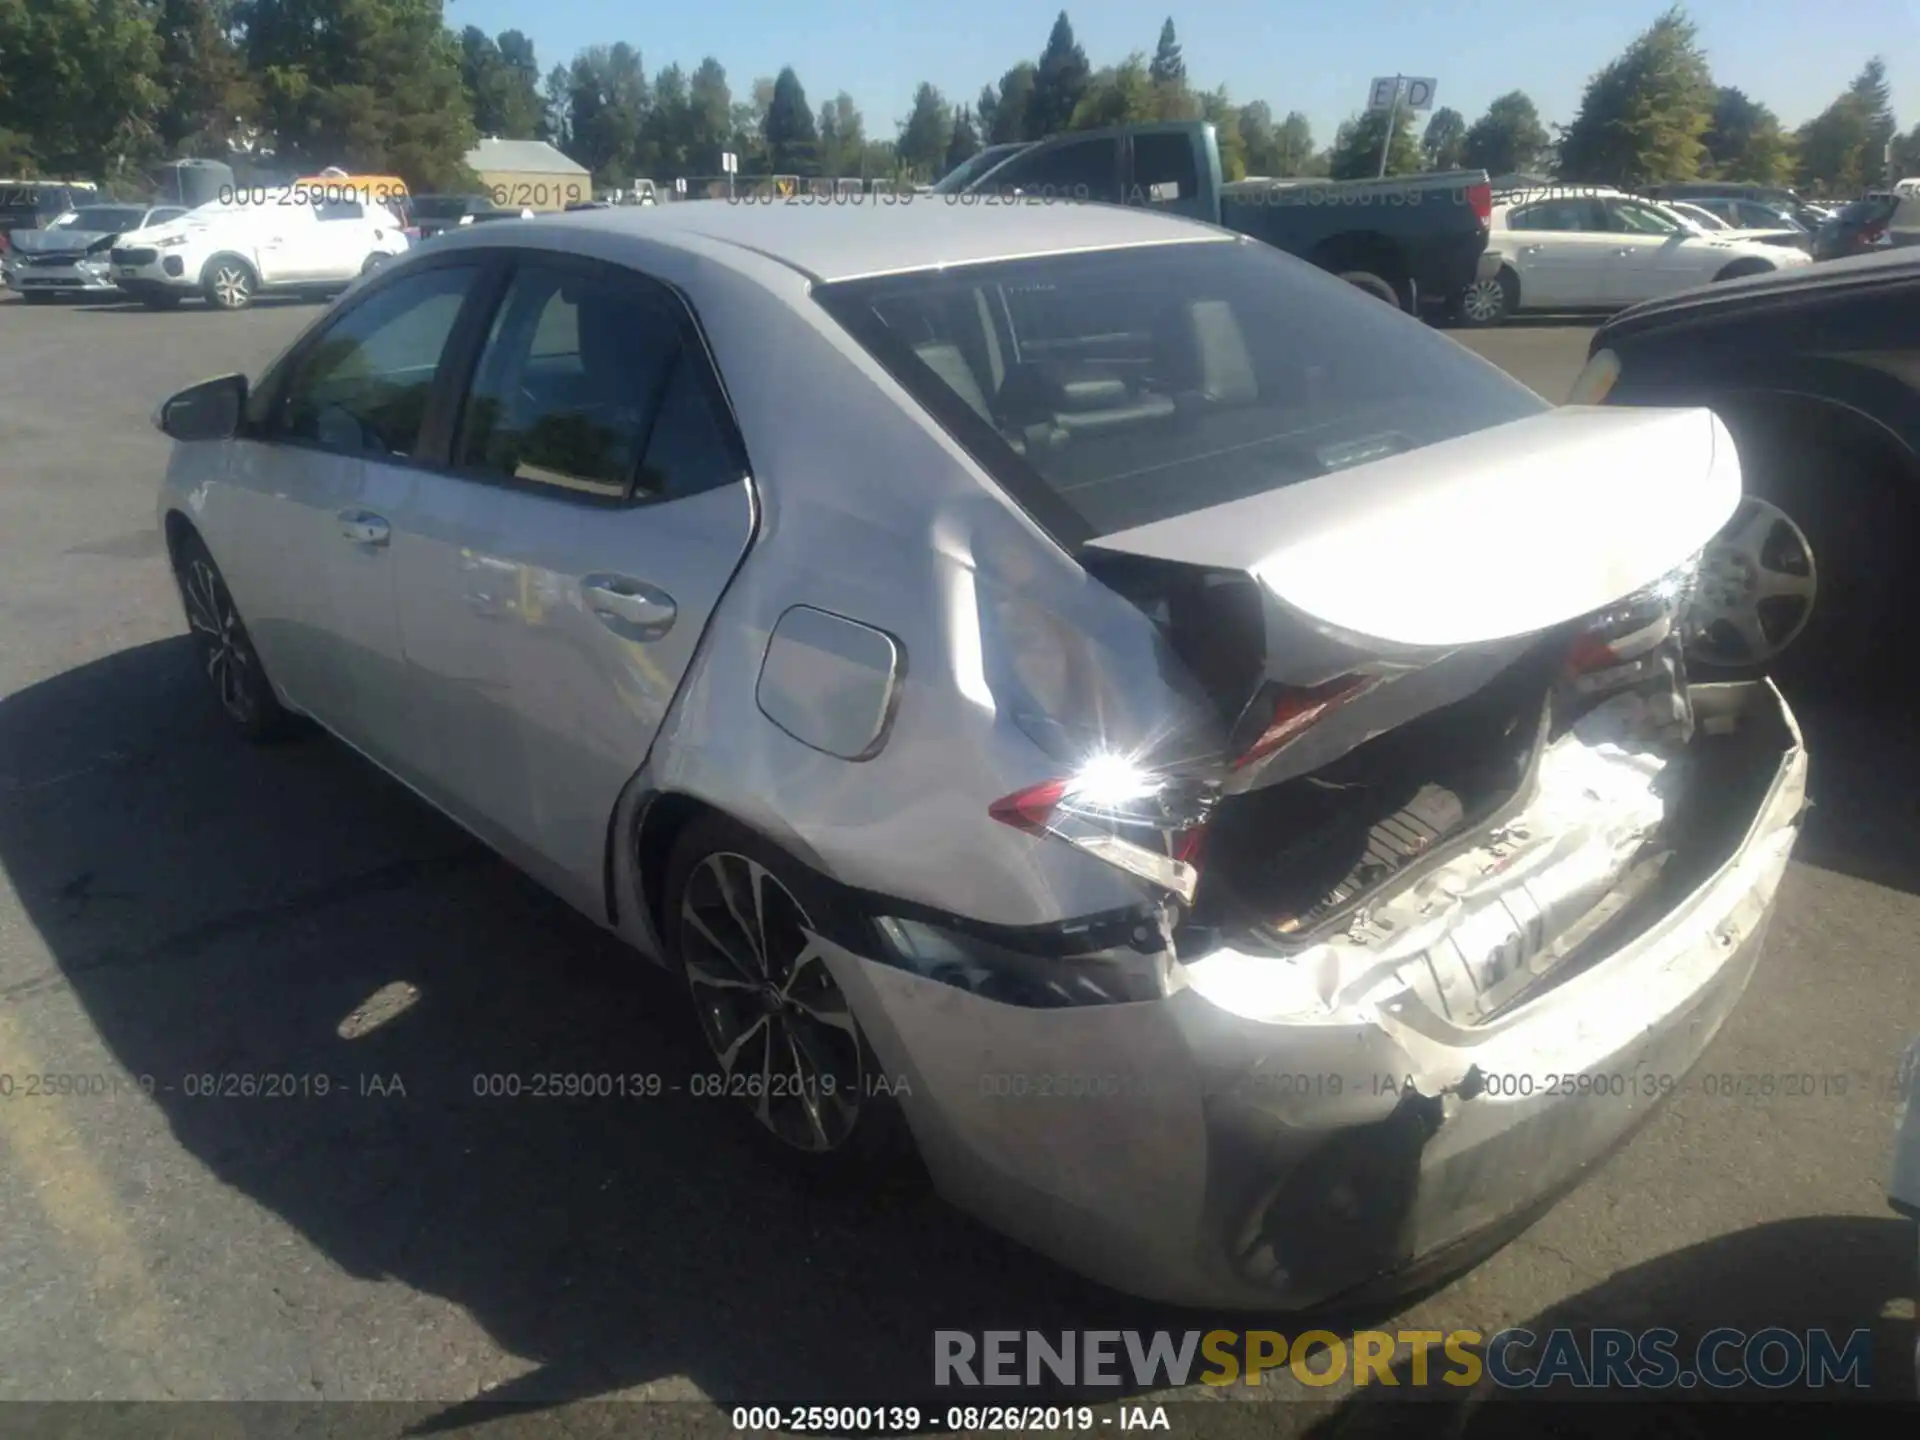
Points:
210	410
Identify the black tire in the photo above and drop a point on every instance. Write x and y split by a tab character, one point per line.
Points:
1748	266
876	1138
229	283
1374	285
1857	516
1487	303
161	299
224	651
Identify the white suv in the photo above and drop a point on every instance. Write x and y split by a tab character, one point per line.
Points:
229	253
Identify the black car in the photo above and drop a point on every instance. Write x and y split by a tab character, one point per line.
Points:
1746	206
1816	372
434	213
1878	220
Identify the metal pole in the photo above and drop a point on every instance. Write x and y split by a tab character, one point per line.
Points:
1393	114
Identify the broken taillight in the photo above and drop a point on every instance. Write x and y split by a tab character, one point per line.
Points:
1297	710
1122	813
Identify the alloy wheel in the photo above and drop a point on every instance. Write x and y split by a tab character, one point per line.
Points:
1484	301
222	640
232	287
775	1018
1756	588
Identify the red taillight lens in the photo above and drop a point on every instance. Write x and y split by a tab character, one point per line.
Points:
1296	711
1871	234
1480	197
1029	809
6	242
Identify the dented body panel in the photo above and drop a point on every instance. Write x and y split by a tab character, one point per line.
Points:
1179	1147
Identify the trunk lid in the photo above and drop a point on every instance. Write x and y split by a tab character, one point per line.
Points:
1386	589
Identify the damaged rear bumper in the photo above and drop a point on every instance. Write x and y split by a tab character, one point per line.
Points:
1196	1149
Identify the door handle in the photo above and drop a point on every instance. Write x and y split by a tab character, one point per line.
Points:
1625	250
363	527
630	608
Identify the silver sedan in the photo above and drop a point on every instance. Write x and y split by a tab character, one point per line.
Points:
1203	758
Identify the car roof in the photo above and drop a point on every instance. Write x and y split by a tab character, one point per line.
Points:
1885	267
832	240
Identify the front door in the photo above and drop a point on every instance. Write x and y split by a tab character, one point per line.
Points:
555	582
335	459
1653	254
1560	249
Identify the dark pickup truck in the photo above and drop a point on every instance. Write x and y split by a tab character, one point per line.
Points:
1413	240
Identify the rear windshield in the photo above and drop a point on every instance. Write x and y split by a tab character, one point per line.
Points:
1115	389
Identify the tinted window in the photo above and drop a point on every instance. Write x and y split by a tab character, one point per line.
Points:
1232	370
1079	170
570	378
338	210
968	171
1568	214
164	214
1164	168
105	218
363	386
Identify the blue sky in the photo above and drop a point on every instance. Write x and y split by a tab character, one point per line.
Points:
1794	55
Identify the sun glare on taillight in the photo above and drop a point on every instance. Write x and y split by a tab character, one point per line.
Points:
1029	809
1297	710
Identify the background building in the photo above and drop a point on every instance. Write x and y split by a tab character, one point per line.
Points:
529	174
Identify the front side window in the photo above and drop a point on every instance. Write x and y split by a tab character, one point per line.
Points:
1632	218
338	210
569	382
1570	214
363	386
1230	369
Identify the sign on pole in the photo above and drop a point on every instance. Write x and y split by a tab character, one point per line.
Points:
1393	93
729	162
1402	92
680	186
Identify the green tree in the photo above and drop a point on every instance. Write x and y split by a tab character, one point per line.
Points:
1843	149
793	143
80	89
1005	119
556	108
1509	138
1356	146
843	136
1060	80
501	79
369	85
709	117
607	101
1218	109
665	134
1294	142
1745	141
1443	144
966	140
206	96
925	133
1643	116
1169	67
1121	94
1257	135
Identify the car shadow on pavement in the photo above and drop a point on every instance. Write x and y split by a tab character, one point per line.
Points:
223	910
1837	1274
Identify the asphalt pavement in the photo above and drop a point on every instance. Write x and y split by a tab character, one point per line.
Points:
176	906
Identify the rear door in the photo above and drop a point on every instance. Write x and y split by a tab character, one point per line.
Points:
1560	250
554	584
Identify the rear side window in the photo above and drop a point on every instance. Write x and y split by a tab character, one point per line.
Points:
1164	168
1116	389
595	385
